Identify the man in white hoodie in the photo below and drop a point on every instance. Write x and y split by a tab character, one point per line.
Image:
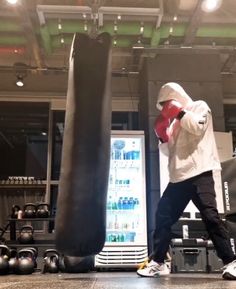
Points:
185	130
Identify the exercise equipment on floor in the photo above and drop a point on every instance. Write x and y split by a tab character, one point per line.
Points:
81	207
51	261
26	235
35	255
26	261
29	210
4	259
42	210
13	261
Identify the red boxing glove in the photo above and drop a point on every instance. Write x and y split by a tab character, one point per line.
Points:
161	127
172	109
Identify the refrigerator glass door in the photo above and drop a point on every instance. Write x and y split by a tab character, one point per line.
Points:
126	198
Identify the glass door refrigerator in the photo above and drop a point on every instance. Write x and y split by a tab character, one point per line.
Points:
126	233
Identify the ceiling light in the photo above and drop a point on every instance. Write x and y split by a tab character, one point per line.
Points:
210	5
138	45
19	81
119	17
175	18
12	1
20	70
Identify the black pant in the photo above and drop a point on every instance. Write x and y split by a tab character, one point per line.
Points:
201	191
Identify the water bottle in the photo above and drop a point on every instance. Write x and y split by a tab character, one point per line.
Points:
114	205
118	238
116	224
120	203
113	238
117	154
110	237
109	203
131	203
136	203
125	203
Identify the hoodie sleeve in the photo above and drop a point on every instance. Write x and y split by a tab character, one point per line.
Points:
196	122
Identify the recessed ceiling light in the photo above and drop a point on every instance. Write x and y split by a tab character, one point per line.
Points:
210	5
19	81
12	1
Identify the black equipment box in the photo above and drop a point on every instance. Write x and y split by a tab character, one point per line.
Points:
189	255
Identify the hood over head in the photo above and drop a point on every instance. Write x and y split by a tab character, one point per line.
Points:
172	90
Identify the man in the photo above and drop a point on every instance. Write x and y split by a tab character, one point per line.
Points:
185	129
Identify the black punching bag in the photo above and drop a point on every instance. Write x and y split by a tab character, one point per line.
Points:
81	206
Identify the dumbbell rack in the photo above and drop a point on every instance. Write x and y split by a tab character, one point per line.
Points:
41	245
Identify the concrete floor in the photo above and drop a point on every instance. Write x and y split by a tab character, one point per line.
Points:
114	280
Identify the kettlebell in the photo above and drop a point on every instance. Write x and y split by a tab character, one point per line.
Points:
14	211
13	261
42	210
4	259
25	262
29	210
35	255
26	235
51	261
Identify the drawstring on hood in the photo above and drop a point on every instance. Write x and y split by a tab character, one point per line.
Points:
172	90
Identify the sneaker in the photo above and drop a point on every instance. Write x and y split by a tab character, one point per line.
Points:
229	272
153	269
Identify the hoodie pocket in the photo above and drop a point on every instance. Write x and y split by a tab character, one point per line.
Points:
182	159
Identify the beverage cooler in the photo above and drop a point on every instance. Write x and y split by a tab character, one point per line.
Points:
126	229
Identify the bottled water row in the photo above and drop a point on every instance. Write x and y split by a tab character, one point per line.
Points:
122	203
121	237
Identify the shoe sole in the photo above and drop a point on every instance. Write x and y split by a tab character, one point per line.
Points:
153	276
228	276
150	276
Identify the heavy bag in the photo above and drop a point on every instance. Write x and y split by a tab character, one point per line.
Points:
78	264
81	206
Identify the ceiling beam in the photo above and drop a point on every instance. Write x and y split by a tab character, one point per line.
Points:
28	29
194	23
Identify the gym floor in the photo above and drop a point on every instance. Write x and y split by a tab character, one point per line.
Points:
115	280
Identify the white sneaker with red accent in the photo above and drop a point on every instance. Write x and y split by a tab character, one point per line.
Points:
154	269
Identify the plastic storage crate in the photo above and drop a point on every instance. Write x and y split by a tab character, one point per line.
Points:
189	255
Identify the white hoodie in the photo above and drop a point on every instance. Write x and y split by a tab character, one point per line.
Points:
191	147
